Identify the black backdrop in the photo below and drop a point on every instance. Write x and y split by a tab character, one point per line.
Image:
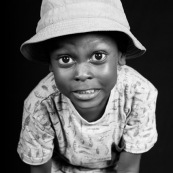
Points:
151	22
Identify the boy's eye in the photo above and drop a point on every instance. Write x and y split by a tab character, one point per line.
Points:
65	60
98	57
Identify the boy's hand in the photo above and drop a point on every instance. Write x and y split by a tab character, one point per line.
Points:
128	163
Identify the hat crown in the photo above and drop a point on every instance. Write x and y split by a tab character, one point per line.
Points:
54	11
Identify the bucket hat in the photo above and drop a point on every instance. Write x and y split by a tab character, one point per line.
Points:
65	17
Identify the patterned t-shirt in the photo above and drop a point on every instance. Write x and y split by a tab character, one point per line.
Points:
52	127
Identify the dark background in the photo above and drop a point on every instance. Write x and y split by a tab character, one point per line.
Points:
151	22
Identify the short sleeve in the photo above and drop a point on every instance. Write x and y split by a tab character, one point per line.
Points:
35	145
140	133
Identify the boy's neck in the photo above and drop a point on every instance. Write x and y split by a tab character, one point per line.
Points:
93	114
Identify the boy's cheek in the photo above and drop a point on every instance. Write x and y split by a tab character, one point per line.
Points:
108	73
63	87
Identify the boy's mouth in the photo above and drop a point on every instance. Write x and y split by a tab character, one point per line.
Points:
86	94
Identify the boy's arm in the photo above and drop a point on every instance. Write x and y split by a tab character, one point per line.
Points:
129	163
45	168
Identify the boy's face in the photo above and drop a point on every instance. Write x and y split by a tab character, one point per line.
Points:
85	69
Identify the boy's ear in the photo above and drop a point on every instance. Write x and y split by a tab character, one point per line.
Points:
50	68
122	59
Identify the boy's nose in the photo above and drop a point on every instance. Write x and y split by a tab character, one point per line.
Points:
83	72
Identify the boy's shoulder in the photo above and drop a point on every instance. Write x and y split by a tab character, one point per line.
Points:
127	76
43	89
130	73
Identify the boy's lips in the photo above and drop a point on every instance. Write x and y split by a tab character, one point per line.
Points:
86	94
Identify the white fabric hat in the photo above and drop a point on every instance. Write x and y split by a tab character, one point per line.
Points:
65	17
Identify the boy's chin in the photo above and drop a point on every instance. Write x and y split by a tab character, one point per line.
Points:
86	105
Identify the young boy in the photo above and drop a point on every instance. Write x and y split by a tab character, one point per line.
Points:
91	113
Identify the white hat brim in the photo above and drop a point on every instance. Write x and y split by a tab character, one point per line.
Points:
30	48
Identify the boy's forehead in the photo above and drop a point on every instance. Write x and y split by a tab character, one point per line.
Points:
84	38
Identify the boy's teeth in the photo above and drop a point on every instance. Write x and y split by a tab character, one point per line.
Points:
86	92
